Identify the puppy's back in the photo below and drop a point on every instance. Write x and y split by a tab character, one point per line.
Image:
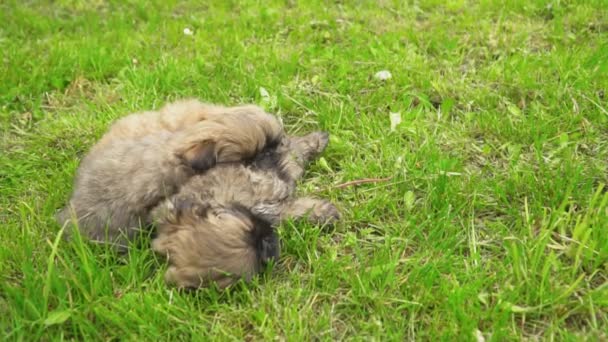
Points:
172	117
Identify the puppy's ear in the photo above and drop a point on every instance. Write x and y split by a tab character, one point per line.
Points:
186	207
201	156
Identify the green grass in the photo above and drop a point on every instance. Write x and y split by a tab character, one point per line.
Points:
494	224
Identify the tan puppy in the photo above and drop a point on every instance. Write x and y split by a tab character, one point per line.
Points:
146	157
219	228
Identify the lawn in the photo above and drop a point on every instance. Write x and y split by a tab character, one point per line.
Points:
492	226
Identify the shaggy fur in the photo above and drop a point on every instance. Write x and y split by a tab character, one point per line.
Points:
218	228
146	157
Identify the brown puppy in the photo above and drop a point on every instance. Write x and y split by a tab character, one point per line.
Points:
219	227
146	157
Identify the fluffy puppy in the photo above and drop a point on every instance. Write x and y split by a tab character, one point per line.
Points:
146	157
219	227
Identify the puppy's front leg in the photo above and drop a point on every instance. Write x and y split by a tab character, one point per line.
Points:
302	151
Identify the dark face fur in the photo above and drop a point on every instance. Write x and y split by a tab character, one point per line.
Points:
263	236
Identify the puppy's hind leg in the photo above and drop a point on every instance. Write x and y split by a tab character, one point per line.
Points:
315	210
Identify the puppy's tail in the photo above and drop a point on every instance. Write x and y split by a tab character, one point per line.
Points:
65	217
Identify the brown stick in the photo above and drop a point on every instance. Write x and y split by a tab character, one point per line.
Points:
363	181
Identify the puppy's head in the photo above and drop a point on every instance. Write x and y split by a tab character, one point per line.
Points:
236	135
206	244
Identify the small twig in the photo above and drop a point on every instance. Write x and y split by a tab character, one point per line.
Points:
363	181
596	104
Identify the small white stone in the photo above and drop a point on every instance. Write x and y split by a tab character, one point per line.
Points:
395	120
479	336
264	93
383	75
267	101
188	32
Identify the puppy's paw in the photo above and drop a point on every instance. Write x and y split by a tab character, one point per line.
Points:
309	146
324	212
314	210
317	142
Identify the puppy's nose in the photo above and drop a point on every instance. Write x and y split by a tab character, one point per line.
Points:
270	249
